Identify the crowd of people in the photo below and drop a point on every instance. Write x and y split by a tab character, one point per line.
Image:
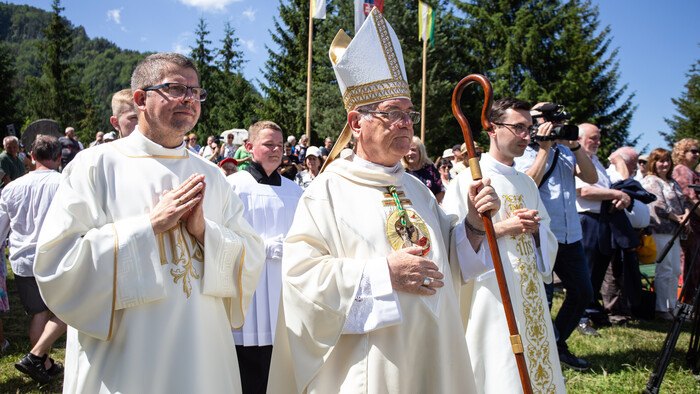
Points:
248	269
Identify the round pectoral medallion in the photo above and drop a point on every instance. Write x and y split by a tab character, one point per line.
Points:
415	233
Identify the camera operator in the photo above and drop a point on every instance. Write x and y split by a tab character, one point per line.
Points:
552	161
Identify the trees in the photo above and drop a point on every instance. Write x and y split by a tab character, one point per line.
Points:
56	94
550	51
232	100
8	106
686	124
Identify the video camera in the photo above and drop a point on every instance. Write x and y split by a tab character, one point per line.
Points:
553	112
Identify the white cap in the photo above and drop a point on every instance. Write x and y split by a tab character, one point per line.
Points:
448	153
369	68
313	151
109	136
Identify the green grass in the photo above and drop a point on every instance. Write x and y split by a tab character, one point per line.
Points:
622	357
16	327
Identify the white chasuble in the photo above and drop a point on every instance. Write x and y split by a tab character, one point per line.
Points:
270	210
526	266
146	313
346	222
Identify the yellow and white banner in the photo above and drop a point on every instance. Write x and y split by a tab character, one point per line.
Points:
426	20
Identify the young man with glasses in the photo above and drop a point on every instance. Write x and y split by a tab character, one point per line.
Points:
528	248
557	188
147	257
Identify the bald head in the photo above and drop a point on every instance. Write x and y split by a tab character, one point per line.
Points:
589	137
628	157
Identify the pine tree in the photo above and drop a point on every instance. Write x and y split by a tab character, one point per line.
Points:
8	107
229	58
285	69
237	100
686	124
57	93
551	51
202	56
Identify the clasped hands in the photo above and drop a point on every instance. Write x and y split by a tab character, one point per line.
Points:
183	202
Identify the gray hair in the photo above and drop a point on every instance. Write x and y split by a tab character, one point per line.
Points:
154	67
627	153
9	139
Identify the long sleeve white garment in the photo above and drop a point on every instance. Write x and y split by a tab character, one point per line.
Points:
346	221
525	268
146	313
270	211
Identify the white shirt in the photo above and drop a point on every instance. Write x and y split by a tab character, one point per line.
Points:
23	207
586	204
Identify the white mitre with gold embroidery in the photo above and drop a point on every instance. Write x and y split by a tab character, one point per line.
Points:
369	69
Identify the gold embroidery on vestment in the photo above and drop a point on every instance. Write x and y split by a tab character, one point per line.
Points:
414	234
537	350
181	256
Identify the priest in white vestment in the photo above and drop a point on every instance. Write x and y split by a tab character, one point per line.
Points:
528	249
372	266
270	201
146	255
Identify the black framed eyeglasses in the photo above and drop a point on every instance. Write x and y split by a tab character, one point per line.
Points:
518	129
179	91
694	151
395	115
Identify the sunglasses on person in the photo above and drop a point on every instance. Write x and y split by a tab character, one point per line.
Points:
694	151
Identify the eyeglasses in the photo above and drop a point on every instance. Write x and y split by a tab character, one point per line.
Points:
448	167
642	162
694	151
187	140
520	129
179	91
395	115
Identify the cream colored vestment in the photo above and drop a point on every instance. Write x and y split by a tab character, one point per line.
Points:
345	221
146	313
487	335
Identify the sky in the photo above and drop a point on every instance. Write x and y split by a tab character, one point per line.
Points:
657	42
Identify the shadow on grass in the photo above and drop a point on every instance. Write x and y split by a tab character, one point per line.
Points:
21	384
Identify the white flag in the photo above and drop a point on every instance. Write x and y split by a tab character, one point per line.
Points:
318	9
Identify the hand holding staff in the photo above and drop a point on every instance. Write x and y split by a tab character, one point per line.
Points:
515	340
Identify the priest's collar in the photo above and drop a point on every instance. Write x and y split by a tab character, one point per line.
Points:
490	165
374	166
137	145
363	172
258	172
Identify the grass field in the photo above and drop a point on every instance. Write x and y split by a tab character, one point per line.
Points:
622	357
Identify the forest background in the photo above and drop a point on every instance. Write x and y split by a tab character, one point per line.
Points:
535	50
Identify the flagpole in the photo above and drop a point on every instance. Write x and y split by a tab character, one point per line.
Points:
422	101
308	76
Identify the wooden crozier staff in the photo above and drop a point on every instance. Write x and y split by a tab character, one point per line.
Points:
515	340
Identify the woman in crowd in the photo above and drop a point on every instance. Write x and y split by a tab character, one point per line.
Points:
444	166
685	158
313	167
417	163
667	212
